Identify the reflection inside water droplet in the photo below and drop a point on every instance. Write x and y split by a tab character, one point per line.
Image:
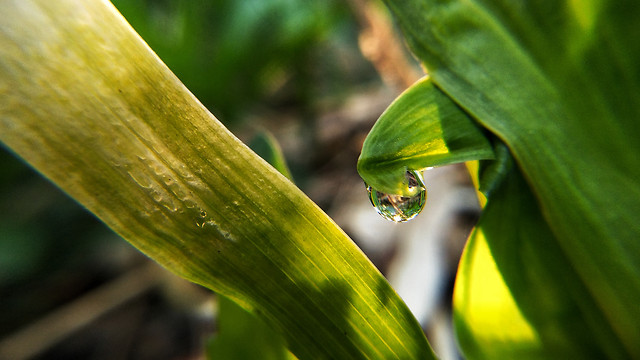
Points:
400	208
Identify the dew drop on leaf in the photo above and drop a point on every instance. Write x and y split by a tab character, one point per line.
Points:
400	208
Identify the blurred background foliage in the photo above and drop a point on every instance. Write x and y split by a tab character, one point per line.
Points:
281	65
236	55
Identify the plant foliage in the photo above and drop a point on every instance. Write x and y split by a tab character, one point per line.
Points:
88	104
553	267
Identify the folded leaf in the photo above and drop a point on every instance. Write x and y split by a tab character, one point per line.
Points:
88	104
420	129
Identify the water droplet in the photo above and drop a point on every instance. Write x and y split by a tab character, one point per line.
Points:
400	208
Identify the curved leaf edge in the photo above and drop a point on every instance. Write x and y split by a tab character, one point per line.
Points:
421	128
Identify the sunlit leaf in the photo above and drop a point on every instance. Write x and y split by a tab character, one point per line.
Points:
88	104
421	128
516	294
236	326
557	82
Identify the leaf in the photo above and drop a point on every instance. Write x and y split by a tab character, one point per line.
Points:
237	327
88	104
421	128
557	82
266	146
516	296
243	336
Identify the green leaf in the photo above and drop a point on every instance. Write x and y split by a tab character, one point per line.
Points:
516	296
266	146
243	336
557	82
88	104
421	128
236	326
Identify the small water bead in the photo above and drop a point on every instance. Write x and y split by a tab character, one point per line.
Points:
400	208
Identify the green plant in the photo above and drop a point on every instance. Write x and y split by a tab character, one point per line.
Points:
552	268
543	93
88	104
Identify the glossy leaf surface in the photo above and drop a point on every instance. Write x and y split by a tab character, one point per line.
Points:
421	128
557	82
516	294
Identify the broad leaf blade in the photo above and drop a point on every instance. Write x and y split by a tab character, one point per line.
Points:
558	83
236	326
421	128
516	294
84	101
